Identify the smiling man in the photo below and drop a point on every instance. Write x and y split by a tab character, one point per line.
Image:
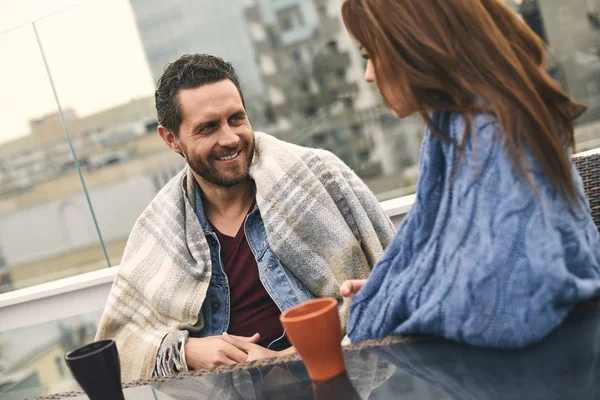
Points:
251	227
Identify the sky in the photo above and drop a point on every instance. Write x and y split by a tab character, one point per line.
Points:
94	53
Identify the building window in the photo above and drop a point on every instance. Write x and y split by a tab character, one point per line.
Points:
270	114
349	103
297	55
532	15
304	86
290	18
310	111
322	10
59	365
319	139
332	46
363	155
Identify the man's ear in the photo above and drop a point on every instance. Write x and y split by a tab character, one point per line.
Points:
170	139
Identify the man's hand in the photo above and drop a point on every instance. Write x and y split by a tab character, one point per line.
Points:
349	288
253	350
215	351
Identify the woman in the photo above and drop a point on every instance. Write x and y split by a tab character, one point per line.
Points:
500	244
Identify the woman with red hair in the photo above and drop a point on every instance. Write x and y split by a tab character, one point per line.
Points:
500	243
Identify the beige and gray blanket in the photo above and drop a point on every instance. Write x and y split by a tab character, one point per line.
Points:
321	220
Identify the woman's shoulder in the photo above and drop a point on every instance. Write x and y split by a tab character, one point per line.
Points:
483	130
453	123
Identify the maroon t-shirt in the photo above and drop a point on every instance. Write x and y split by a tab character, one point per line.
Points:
252	309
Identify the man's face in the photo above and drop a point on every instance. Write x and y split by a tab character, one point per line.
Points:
215	135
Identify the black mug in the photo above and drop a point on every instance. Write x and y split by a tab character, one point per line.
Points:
96	368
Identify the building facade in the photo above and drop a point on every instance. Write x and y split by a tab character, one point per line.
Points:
169	29
313	75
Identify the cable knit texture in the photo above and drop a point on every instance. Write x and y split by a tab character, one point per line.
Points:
480	258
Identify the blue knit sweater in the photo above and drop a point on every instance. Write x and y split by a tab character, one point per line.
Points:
479	258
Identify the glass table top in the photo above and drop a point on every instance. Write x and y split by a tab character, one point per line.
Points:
566	365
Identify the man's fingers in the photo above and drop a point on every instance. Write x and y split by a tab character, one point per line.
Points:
250	339
240	344
234	352
226	361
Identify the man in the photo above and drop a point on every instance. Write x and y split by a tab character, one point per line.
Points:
251	227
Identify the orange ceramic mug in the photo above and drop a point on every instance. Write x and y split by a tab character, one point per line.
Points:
314	330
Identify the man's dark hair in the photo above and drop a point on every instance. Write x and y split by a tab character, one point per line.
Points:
190	71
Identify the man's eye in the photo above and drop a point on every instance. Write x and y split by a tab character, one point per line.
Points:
207	128
238	119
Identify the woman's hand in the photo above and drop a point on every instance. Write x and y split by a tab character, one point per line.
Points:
352	287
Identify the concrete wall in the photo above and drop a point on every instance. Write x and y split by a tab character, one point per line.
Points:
64	225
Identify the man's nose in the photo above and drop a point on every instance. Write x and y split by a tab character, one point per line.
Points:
228	138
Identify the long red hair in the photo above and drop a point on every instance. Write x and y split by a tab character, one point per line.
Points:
445	55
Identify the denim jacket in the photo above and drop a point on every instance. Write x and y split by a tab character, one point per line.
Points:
283	287
279	282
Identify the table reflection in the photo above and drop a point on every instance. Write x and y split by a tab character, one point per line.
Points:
366	371
564	366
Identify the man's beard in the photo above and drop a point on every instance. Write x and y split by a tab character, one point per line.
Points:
207	170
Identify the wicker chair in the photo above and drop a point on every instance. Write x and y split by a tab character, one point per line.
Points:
589	168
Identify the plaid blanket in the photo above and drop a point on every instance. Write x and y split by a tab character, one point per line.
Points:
321	220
